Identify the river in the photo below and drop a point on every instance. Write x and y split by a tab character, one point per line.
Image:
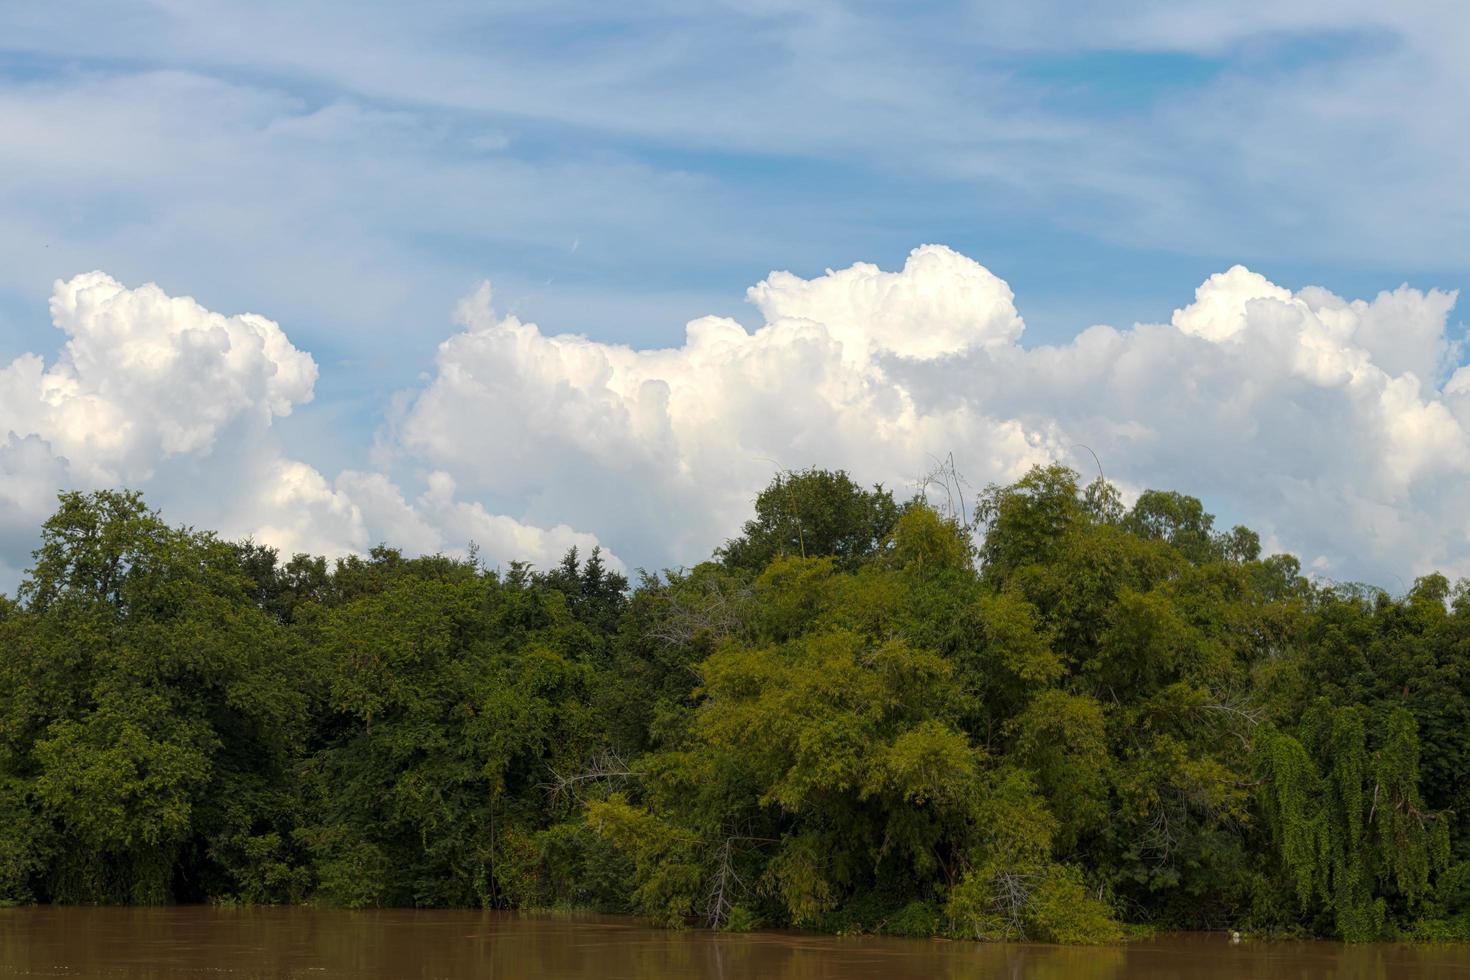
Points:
168	943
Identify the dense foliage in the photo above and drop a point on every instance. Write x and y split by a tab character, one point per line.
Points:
1043	719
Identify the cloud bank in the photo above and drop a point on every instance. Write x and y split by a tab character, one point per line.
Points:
160	394
1339	429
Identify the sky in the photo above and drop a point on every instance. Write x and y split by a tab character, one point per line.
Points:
537	275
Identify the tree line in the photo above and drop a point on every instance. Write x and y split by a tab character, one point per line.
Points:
1047	717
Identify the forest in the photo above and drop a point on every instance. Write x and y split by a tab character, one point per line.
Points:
1040	714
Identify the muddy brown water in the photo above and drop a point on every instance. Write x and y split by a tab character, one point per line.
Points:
312	943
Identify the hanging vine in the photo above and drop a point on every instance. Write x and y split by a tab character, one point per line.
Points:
1350	825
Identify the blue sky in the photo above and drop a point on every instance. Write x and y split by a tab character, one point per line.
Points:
352	171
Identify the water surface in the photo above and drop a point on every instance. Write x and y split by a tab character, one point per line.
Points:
170	943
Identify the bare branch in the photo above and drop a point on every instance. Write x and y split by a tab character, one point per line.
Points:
604	767
718	614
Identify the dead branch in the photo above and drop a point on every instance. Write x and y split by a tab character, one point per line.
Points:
604	767
718	614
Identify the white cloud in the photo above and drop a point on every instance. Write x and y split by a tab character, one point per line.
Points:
1219	308
144	375
1321	421
143	378
941	303
161	394
1327	424
297	510
664	449
29	477
437	522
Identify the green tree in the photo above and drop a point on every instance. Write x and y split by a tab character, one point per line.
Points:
151	713
810	514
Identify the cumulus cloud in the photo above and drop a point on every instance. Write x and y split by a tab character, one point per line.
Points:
29	476
663	449
1339	428
144	376
1327	423
436	521
159	393
142	380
